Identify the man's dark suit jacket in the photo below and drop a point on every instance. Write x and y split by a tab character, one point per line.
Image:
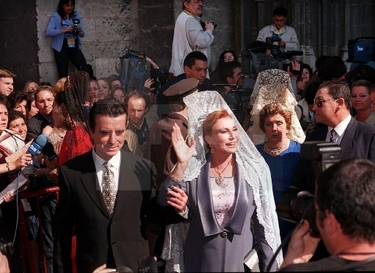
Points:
101	238
358	141
35	126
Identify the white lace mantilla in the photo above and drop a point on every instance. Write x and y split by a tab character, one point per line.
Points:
280	94
255	169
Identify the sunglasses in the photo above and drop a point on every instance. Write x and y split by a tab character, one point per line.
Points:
319	102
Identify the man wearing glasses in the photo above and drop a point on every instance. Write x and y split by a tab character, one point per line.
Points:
332	106
356	139
190	34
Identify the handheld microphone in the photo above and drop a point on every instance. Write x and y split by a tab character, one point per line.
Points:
38	144
49	151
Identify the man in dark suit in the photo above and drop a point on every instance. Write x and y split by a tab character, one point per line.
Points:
332	106
109	228
44	102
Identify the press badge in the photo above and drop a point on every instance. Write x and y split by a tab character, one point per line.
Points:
71	41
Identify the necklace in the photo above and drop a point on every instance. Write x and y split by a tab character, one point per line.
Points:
219	180
275	151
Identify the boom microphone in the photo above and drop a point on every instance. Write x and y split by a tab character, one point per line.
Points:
37	146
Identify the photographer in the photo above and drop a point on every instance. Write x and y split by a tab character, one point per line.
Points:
190	34
65	28
279	34
345	216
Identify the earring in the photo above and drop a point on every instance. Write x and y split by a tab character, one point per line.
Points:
212	150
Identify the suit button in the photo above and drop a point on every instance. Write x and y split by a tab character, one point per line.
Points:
113	243
223	234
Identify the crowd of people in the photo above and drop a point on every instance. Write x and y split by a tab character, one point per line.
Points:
187	173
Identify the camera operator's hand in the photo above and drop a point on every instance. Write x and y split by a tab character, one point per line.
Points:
148	83
301	246
269	41
79	31
282	44
67	29
209	25
294	69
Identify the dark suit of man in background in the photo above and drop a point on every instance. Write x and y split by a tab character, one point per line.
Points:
103	237
332	106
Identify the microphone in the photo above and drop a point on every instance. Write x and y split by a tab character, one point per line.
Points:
49	151
38	144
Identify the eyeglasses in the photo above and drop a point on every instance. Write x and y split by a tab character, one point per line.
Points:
319	102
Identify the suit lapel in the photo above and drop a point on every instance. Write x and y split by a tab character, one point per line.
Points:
205	204
125	179
349	138
93	189
206	209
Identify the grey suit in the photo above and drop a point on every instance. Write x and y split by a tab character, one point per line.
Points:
115	240
358	141
209	247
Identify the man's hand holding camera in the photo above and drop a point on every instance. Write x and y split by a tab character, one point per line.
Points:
209	25
302	245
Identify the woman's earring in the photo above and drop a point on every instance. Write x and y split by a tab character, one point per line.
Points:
212	150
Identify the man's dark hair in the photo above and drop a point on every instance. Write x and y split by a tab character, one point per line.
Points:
227	69
12	115
280	11
347	190
332	68
337	89
190	59
4	101
17	96
105	107
310	91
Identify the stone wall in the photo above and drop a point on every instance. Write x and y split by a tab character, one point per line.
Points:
112	26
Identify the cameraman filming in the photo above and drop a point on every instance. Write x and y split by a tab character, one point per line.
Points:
345	216
279	34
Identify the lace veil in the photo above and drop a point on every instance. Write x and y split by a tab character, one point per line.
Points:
275	93
253	165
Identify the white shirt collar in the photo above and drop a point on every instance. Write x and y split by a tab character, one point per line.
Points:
114	161
340	128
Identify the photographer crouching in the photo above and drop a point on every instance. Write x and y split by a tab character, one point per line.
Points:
345	216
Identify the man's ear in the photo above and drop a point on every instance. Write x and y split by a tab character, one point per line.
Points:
186	69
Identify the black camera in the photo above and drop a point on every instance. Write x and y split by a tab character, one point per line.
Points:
75	26
274	38
6	248
295	204
203	24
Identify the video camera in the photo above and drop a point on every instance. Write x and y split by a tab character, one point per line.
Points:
75	26
274	38
295	204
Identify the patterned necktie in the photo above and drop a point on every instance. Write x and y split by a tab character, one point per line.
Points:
334	136
108	187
